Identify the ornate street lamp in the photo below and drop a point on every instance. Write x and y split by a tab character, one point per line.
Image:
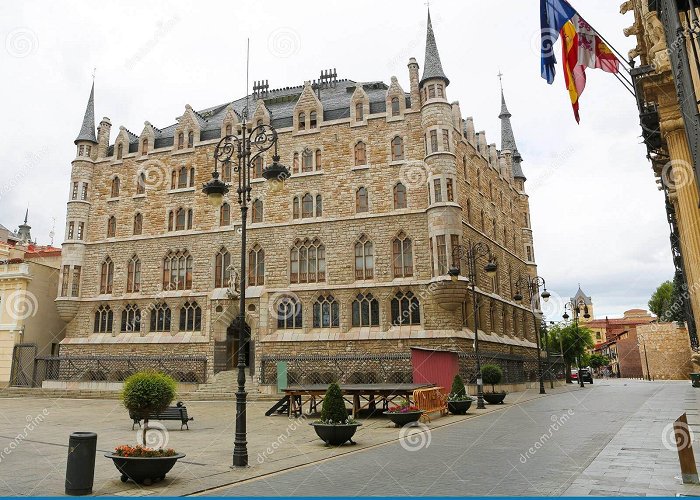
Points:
576	307
473	252
532	285
240	153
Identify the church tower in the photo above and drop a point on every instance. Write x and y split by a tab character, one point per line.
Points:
24	231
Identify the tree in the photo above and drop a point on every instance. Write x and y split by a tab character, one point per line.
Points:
661	301
598	361
148	393
333	409
573	342
491	374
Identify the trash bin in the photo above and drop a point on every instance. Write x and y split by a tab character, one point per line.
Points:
80	470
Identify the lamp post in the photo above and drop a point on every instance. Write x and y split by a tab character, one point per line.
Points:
474	250
576	307
543	327
236	151
532	284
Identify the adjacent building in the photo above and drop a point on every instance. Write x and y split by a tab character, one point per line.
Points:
348	261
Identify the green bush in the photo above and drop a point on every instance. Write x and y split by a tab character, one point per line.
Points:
333	410
148	393
491	374
458	392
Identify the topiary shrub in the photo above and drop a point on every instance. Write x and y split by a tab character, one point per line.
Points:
333	410
148	393
491	374
458	392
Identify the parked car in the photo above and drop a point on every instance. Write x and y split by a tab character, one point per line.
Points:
574	374
586	375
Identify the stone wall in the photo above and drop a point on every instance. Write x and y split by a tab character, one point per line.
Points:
667	351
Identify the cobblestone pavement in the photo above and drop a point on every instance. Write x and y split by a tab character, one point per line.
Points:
605	439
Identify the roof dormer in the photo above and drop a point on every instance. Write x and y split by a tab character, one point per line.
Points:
359	106
230	124
187	130
261	115
395	101
308	111
147	139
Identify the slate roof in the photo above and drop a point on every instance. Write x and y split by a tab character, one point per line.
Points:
508	139
432	67
87	130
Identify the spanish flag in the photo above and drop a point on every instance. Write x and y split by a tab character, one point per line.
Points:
582	48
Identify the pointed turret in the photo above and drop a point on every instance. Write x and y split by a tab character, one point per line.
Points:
23	233
508	138
432	68
87	131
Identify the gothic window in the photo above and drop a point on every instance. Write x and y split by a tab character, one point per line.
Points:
133	275
364	259
405	309
359	112
295	164
529	253
144	147
361	200
360	154
296	208
478	179
229	129
307	206
81	226
495	226
182	177
433	141
84	194
120	151
289	313
397	148
180	140
180	219
308	262
483	221
307	160
445	140
318	159
111	227
75	290
115	188
226	171
141	184
312	119
64	280
71	227
469	211
302	121
319	206
437	190
131	318
74	191
81	150
490	190
400	196
454	253
104	318
365	310
431	91
225	214
160	318
222	273
402	251
257	167
177	270
190	317
138	224
440	92
326	312
257	212
190	140
395	109
432	257
256	266
441	254
450	191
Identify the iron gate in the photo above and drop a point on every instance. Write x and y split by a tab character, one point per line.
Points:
22	374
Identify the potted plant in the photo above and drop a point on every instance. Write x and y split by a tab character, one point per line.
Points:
404	413
492	374
146	394
458	401
335	427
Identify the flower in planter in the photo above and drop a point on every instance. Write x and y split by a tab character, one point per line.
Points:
403	407
142	452
458	392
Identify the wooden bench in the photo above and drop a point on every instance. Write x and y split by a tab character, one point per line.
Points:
177	412
429	401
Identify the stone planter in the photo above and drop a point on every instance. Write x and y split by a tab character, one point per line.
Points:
144	470
459	407
335	435
494	398
402	418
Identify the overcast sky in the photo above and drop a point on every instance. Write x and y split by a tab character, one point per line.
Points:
597	216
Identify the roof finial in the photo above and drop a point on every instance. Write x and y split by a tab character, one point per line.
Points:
26	215
94	70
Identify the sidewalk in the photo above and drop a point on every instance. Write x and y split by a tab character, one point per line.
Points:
36	466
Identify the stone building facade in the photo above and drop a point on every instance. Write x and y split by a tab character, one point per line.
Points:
666	352
348	258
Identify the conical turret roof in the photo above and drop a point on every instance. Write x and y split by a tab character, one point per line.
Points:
87	131
432	68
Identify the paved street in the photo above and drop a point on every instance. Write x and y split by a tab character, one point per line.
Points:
604	439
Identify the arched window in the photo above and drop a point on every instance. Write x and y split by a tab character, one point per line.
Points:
226	171
312	119
138	224
469	211
120	151
359	112
307	262
182	177
437	190
296	208
190	140
229	129
115	187
160	318
131	318
450	190
177	270
133	275
257	214
180	140
302	121
326	312
400	196
256	266
307	160
307	206
318	159
319	206
190	317
141	184
104	318
365	310
111	226
478	179
225	214
397	148
289	313
405	309
483	221
180	219
144	147
395	108
360	154
191	176
403	256
222	273
257	167
361	200
364	259
106	276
